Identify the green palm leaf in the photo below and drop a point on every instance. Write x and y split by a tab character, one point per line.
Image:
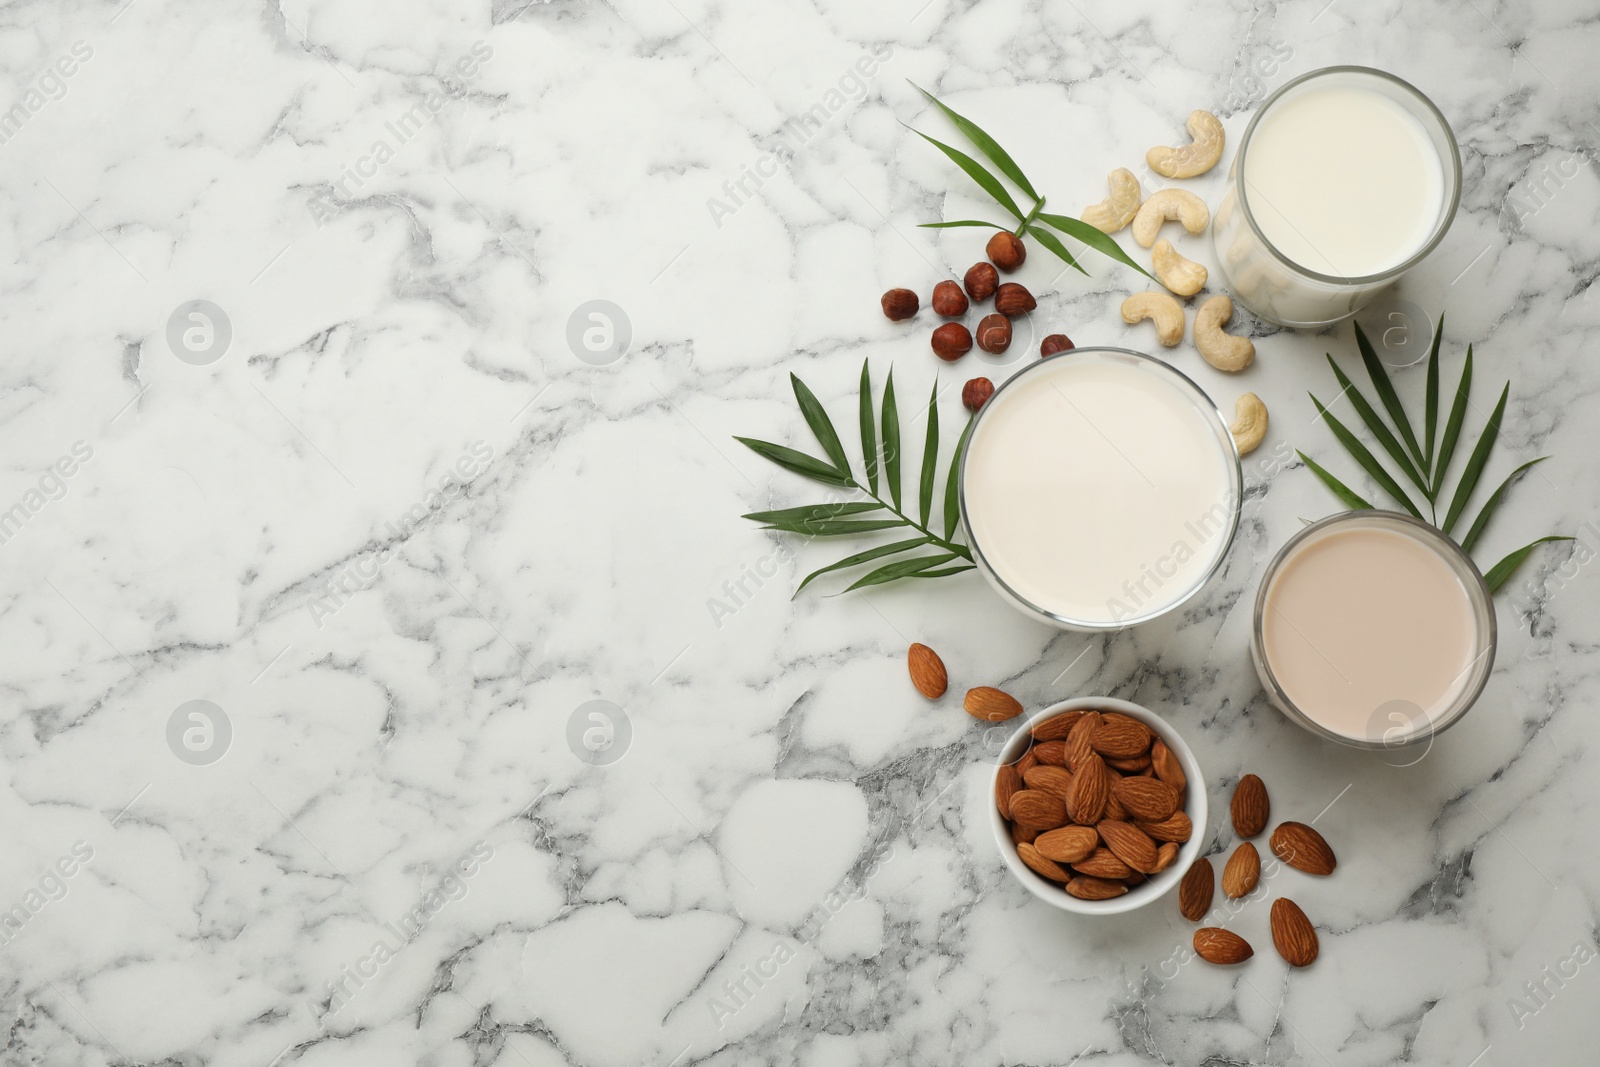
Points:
1351	498
986	144
1101	242
1505	568
835	527
1452	426
1359	453
863	557
821	425
975	170
1493	502
1431	411
1380	431
1053	243
903	568
869	430
1386	393
809	512
891	440
959	223
930	455
1475	463
952	505
797	462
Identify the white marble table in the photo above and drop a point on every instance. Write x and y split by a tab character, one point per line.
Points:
397	535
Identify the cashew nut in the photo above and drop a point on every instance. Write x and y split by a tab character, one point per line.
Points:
1249	423
1118	209
1223	351
1183	276
1166	205
1197	157
1160	309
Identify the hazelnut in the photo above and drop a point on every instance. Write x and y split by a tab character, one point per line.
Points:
1056	342
976	393
994	334
949	300
900	304
981	281
1006	251
1013	301
951	341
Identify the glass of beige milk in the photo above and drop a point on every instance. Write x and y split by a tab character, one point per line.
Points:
1344	180
1373	629
1099	489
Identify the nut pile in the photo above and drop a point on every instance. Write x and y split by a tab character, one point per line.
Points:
1096	803
1296	844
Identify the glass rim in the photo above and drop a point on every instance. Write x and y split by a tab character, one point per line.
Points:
1452	167
1478	595
1208	411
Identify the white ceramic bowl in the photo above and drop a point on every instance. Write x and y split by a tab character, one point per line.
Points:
1158	884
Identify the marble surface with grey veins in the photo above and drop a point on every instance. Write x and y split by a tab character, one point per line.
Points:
388	677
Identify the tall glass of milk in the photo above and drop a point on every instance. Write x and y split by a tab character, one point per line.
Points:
1345	179
1100	488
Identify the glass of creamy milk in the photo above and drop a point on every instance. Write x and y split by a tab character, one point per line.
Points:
1373	629
1099	489
1344	179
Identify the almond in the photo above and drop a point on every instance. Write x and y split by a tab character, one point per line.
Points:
1021	835
927	671
1090	790
1051	779
1095	888
1120	737
1007	782
1078	748
1069	844
1114	808
1136	765
1242	872
1052	752
1250	807
1102	863
1043	867
1179	827
1302	848
1027	761
1292	933
1037	810
1146	799
991	705
1056	727
1196	890
1131	845
1223	947
1166	855
1167	767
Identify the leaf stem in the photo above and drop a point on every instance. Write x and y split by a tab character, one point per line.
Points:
1038	207
949	546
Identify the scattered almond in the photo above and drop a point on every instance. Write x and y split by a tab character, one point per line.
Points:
1250	807
1242	872
1196	890
1068	844
1302	848
927	671
1292	933
991	705
1223	947
1037	810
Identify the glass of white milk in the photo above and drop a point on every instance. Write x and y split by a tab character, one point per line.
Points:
1344	179
1100	488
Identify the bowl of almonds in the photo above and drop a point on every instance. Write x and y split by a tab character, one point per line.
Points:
1093	809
